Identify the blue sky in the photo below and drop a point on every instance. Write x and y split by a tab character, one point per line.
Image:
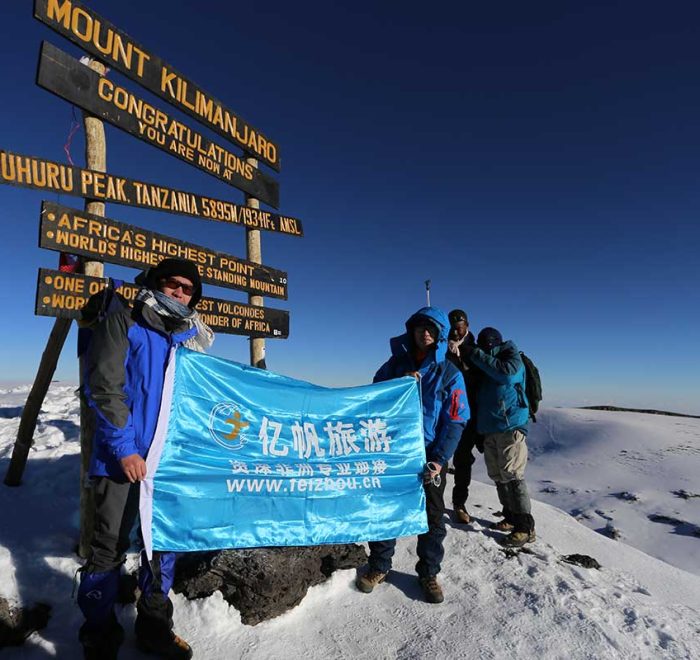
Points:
539	162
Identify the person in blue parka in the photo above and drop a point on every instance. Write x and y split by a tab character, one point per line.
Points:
126	362
421	352
502	418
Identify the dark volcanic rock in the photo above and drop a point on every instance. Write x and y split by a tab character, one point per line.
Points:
581	560
684	494
625	495
17	624
263	583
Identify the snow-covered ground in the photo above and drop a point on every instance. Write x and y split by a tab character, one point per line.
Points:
635	476
531	606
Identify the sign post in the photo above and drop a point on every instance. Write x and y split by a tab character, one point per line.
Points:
30	413
254	254
96	160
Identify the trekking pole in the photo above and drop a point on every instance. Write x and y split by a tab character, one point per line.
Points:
427	291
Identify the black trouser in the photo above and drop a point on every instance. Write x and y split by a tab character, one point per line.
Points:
116	510
429	549
463	461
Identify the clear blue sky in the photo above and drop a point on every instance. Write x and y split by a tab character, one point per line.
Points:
539	162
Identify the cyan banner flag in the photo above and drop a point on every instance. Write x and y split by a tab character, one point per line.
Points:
244	457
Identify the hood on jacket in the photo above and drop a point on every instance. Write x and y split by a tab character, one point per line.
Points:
404	342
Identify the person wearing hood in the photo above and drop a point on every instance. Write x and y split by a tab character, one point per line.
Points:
125	372
459	344
421	352
502	418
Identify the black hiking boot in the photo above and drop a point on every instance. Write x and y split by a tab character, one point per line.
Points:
101	643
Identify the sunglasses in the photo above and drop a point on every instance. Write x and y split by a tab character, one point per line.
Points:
172	283
431	329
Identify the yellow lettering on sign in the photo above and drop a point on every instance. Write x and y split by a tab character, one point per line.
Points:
28	171
90	30
64	222
257	326
67	283
166	82
60	14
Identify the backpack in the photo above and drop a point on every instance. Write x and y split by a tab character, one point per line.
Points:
101	304
533	385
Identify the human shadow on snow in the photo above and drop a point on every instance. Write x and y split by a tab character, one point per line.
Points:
70	430
406	583
484	525
34	526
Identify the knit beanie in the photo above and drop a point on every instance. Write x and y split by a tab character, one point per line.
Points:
457	315
169	267
489	338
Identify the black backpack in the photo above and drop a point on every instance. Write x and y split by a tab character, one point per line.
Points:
533	385
99	305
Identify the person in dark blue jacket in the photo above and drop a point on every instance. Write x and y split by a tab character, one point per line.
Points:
421	352
459	341
502	417
126	364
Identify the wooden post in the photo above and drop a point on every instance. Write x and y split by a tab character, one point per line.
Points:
95	159
27	424
254	254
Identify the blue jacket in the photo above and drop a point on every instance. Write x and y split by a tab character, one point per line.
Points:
445	407
501	401
126	364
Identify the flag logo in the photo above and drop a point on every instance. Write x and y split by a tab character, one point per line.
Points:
227	426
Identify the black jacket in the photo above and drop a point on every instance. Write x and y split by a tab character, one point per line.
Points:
472	375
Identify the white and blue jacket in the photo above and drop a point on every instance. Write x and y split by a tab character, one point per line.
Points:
126	363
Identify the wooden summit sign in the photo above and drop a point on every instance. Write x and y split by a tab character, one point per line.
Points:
64	76
63	295
77	232
31	172
110	45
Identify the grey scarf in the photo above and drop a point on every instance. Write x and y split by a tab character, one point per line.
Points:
170	308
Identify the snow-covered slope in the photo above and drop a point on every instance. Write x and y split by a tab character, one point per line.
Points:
531	605
634	476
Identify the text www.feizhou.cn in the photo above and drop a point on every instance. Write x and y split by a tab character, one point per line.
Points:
301	485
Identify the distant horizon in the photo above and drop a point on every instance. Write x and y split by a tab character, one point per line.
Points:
611	407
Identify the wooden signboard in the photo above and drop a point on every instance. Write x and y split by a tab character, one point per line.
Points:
68	230
107	43
63	295
64	76
46	175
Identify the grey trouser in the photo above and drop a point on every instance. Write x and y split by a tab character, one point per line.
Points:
116	510
506	457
